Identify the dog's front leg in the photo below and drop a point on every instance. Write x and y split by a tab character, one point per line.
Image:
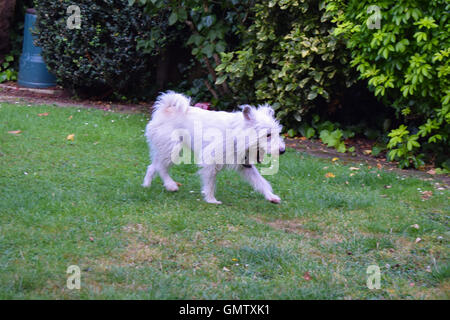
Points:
252	175
208	174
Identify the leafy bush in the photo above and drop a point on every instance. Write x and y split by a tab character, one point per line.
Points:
101	57
9	63
333	139
406	62
289	58
7	70
210	28
330	133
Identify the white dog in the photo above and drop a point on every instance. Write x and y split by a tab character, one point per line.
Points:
218	139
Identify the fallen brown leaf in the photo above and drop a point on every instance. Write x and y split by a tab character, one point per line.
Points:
426	194
43	114
307	276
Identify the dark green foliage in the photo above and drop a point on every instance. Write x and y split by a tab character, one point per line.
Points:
7	71
289	58
101	57
330	133
209	29
9	66
406	62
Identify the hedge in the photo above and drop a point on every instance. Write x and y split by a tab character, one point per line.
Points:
406	60
101	56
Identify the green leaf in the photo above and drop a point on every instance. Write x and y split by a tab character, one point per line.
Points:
182	14
173	18
291	133
220	46
310	132
221	79
312	95
208	50
341	147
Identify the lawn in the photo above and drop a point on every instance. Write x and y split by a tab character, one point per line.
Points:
80	202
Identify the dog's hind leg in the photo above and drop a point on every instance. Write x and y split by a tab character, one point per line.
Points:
161	162
162	167
151	171
252	175
208	175
169	184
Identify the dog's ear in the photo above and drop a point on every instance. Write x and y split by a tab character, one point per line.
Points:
247	111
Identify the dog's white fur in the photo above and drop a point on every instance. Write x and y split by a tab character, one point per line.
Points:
172	111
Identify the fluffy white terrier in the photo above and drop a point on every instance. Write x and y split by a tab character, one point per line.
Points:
219	140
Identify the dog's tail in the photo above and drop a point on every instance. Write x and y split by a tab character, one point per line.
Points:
172	102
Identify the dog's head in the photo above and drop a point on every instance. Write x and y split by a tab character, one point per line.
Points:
262	121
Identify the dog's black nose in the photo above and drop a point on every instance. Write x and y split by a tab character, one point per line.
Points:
282	150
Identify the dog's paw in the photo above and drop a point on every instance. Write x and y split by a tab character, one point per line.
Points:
273	198
213	201
172	187
146	184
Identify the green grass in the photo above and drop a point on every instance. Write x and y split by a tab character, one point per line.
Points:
80	203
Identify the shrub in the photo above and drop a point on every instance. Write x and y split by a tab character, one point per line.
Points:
9	63
210	28
101	57
7	72
289	58
406	63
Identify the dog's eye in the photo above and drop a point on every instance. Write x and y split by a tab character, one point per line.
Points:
269	135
